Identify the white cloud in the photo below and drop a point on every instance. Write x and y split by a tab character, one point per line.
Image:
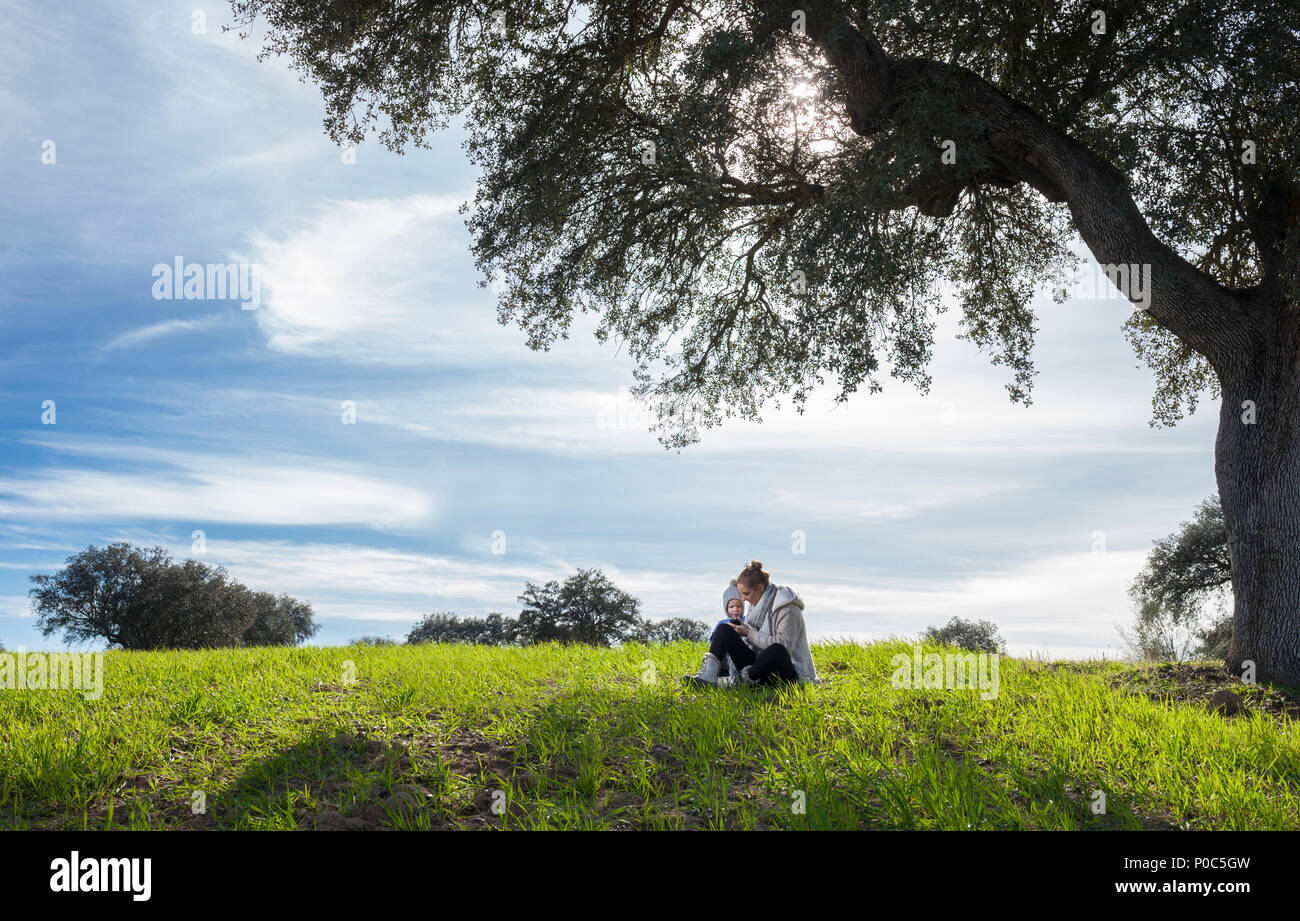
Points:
154	331
390	282
371	573
277	489
1069	602
910	500
570	421
355	582
15	606
358	283
292	151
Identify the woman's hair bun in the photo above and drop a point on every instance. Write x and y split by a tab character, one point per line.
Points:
753	575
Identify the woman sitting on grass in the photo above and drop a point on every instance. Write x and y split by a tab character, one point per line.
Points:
771	647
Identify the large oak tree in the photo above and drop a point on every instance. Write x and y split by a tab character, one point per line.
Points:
137	598
758	196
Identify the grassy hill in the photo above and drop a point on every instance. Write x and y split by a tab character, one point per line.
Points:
574	737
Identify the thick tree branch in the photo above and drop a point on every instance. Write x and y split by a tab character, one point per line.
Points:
1027	148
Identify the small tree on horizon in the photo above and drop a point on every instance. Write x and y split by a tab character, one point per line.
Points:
975	636
549	620
493	630
1185	587
192	605
586	608
99	594
670	630
1155	636
369	639
279	620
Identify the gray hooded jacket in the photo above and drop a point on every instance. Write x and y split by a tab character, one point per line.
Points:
784	625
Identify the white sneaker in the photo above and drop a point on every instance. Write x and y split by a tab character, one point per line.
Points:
708	673
727	681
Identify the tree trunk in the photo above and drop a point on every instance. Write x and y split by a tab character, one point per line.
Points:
1257	464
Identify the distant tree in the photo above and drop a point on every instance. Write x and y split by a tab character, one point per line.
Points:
1187	581
141	599
437	628
542	619
493	630
1216	639
372	640
670	630
1189	567
976	636
587	608
280	621
1156	636
100	594
194	606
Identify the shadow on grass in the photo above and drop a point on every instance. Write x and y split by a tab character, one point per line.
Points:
359	781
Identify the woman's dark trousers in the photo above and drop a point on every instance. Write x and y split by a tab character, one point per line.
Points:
770	666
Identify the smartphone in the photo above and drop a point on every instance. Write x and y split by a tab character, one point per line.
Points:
733	620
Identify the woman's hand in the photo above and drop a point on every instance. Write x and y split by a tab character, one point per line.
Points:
742	629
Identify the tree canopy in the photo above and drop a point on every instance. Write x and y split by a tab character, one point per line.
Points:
1182	594
975	636
586	608
1190	568
754	197
671	630
138	598
493	630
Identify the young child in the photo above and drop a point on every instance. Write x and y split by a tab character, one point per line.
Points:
734	607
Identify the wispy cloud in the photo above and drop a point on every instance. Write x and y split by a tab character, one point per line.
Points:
161	330
377	573
287	152
280	489
975	420
15	606
358	281
1068	603
913	499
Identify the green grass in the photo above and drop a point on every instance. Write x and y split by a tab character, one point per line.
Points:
573	737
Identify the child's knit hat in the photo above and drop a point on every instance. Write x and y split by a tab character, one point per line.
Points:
733	591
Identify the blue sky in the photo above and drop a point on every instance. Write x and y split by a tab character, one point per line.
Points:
177	415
